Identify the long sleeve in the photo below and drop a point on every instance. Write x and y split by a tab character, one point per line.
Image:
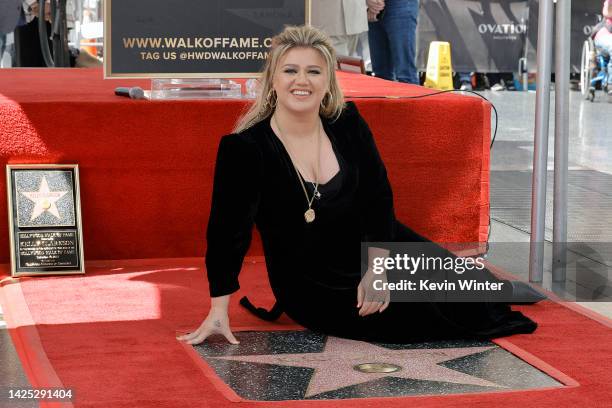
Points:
376	195
234	204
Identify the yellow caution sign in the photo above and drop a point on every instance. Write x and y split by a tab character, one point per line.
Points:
439	68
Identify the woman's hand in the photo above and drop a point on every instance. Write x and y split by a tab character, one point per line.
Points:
217	322
370	300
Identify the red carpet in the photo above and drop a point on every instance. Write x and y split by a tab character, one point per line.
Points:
146	167
110	336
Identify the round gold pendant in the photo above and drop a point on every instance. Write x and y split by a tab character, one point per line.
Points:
309	215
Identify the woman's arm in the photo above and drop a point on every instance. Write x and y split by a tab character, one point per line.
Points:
234	204
376	202
607	9
375	194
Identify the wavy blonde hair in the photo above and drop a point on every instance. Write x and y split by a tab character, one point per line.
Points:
294	37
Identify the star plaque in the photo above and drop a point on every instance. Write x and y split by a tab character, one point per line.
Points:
302	365
45	220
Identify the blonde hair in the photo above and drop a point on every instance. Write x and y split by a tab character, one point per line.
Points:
294	37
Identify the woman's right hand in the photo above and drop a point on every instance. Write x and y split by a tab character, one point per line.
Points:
217	322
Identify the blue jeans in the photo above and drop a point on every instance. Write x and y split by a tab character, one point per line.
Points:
605	45
393	42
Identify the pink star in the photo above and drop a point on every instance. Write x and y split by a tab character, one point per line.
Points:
44	200
334	366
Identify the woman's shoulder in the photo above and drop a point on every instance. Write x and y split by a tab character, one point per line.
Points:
349	112
248	136
350	123
244	145
349	117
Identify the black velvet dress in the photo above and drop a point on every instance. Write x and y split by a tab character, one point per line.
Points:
314	269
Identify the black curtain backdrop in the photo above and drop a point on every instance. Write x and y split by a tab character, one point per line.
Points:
492	35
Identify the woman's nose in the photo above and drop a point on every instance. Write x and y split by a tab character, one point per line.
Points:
301	77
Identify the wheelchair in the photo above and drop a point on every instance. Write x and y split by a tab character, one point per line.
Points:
593	70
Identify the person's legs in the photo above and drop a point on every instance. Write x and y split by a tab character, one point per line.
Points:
604	44
351	44
363	50
400	22
27	45
610	71
340	44
379	51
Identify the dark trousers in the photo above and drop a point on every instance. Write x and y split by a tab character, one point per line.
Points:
27	45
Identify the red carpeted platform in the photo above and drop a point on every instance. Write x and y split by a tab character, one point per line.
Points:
110	336
146	167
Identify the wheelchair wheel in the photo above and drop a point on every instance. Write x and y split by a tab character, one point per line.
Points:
585	69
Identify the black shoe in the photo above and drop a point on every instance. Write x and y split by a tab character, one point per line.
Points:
524	294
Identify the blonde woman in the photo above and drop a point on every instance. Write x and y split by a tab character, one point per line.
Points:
303	167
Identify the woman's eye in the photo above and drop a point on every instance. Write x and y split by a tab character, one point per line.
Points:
315	71
290	71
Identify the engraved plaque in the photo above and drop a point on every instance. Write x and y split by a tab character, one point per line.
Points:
44	220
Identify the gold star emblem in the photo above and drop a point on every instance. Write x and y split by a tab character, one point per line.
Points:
44	200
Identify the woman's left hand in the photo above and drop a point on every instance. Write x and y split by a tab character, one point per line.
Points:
370	300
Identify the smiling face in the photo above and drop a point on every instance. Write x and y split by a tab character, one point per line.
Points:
301	80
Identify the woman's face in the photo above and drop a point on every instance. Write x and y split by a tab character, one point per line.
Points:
301	80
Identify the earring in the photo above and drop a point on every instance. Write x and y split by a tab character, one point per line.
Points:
271	99
326	100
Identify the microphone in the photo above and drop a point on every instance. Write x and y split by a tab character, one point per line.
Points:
135	92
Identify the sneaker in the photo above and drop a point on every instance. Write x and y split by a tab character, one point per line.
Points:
465	86
498	87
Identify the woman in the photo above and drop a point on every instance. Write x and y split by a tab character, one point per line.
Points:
304	168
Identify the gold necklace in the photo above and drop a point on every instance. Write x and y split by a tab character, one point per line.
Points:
309	215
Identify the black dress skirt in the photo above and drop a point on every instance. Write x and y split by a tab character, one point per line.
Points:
314	268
